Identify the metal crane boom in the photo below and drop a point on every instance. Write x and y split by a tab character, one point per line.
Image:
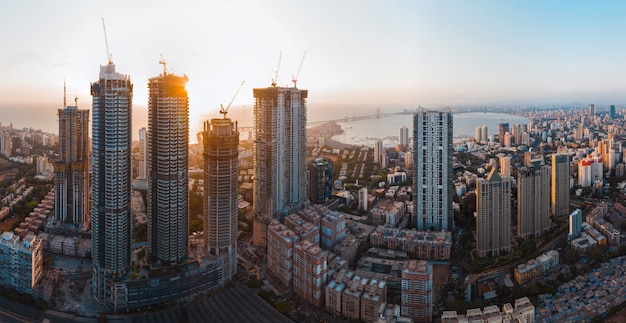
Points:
294	79
275	79
106	42
225	111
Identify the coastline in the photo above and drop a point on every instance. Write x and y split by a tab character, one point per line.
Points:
328	131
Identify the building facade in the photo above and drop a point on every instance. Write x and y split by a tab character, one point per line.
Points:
221	143
168	144
310	265
559	191
417	291
432	179
321	180
71	170
533	200
111	222
493	215
142	168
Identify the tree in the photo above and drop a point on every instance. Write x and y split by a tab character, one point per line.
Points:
282	307
571	256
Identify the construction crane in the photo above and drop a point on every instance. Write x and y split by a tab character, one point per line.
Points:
106	42
294	79
162	62
225	111
275	79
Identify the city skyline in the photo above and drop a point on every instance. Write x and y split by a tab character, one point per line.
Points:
441	54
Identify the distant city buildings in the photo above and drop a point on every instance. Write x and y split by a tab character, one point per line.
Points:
433	191
403	139
504	128
168	142
111	181
524	311
219	211
423	244
143	151
6	145
493	215
71	169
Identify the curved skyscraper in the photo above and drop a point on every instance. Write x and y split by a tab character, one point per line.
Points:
221	143
111	177
168	142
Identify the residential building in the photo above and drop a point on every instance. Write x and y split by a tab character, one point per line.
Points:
71	169
168	144
321	180
504	128
493	215
333	229
432	180
6	145
533	200
505	165
575	224
280	155
523	312
21	262
417	291
403	138
219	209
424	244
363	205
378	152
111	222
310	265
280	244
559	191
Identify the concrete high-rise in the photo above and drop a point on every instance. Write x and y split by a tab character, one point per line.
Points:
505	165
111	222
221	143
612	112
433	188
504	128
143	151
575	224
493	215
280	155
71	169
403	138
559	191
378	151
533	200
321	180
168	144
417	291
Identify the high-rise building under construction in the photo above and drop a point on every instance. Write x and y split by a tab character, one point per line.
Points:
71	170
168	142
111	178
221	143
280	155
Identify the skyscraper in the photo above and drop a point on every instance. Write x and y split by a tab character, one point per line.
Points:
168	142
433	188
219	209
321	180
378	151
493	215
71	170
504	128
575	224
612	112
559	195
533	199
280	155
403	138
143	151
111	178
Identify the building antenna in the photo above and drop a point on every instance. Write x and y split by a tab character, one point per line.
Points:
76	101
106	42
275	79
64	94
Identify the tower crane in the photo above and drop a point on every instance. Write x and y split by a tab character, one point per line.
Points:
162	62
106	42
225	111
275	79
294	79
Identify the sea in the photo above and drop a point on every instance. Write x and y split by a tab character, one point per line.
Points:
386	128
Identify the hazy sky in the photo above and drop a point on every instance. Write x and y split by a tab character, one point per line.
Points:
360	54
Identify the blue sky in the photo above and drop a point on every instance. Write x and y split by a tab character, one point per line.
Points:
361	55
